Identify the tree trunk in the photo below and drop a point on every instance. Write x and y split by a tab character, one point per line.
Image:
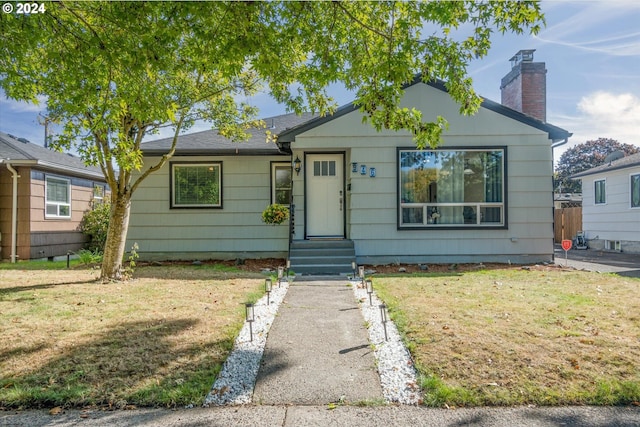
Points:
114	247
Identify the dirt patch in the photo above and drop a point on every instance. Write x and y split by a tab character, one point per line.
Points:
259	265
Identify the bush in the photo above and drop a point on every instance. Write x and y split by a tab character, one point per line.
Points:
94	224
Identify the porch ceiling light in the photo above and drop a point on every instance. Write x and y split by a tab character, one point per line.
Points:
297	165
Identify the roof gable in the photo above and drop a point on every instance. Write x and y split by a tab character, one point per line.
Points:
26	153
555	133
622	163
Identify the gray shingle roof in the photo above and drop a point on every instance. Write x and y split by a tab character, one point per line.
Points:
22	152
555	133
623	163
209	142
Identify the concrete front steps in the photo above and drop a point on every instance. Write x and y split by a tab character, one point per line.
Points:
322	257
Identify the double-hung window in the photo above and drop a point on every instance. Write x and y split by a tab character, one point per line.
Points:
196	185
599	192
635	191
281	183
57	197
451	188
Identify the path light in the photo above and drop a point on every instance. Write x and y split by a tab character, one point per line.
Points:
369	284
288	268
280	274
361	273
383	316
267	289
354	267
250	317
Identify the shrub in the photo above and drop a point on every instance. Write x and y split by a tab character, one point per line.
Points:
94	224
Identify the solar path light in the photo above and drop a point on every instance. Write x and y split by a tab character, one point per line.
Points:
249	317
267	288
369	284
383	316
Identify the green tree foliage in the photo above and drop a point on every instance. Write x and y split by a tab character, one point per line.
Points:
115	72
585	156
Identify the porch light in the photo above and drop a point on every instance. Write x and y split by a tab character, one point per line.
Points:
297	165
249	317
369	285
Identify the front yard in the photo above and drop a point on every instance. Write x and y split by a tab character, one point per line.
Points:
489	337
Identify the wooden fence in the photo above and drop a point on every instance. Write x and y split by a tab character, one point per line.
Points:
568	221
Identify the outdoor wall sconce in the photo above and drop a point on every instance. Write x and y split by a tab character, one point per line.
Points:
369	285
267	288
383	317
297	165
249	317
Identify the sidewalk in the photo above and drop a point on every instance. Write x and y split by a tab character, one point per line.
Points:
351	416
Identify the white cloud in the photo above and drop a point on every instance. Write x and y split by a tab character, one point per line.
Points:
602	114
23	107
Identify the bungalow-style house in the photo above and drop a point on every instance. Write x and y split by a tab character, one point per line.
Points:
611	204
43	197
484	195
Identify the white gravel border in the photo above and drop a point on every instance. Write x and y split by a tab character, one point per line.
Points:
237	378
398	375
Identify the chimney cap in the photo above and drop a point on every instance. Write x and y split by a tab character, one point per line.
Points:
524	55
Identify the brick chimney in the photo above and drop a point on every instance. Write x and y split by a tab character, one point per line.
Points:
524	88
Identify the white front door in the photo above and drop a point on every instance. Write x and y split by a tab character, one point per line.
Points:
325	195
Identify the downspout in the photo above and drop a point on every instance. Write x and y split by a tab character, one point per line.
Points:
14	212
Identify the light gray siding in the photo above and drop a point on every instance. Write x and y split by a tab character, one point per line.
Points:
234	231
372	203
614	220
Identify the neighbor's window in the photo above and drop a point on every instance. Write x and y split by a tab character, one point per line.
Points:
196	185
58	198
635	191
98	193
599	191
281	183
451	188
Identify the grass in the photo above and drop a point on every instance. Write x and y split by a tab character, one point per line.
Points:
158	340
546	336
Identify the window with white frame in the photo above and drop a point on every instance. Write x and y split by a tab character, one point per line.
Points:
98	193
196	185
635	191
281	183
599	192
57	197
451	188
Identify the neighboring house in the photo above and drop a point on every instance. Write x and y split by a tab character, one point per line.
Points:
484	195
611	204
43	196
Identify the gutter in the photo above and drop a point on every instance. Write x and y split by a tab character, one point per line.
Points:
14	210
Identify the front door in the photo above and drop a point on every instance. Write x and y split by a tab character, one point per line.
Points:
325	195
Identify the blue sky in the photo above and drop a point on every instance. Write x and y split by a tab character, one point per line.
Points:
592	55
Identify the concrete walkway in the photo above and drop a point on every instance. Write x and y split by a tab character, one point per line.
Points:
318	349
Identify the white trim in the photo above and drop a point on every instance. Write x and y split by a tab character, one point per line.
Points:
55	203
631	175
274	166
595	201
